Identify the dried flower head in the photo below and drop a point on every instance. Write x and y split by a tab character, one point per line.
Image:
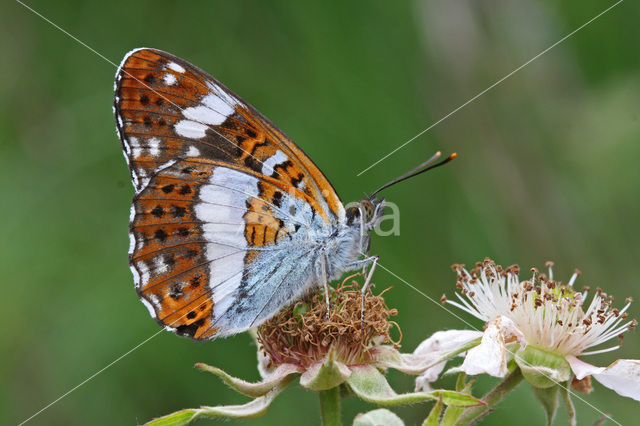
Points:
303	333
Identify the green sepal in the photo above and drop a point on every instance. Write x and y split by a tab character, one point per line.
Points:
452	412
548	398
369	384
254	408
252	390
325	375
541	368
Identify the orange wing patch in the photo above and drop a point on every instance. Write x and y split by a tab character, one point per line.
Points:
169	257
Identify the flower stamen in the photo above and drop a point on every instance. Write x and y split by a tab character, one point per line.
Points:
549	313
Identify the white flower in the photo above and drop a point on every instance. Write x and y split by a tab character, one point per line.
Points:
540	323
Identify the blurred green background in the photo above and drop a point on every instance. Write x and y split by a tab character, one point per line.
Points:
548	169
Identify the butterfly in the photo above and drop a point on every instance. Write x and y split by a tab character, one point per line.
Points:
230	220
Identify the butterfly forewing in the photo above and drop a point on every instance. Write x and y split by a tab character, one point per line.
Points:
220	194
167	108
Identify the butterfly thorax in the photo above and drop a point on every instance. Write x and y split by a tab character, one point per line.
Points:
352	241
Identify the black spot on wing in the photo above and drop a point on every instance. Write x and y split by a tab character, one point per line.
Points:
157	211
191	329
195	282
175	292
277	199
160	235
282	166
178	211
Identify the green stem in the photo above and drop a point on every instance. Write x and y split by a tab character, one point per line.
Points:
330	406
473	414
571	409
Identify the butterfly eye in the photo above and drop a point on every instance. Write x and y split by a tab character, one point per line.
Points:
353	213
368	210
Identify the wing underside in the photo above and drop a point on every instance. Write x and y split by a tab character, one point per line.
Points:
226	205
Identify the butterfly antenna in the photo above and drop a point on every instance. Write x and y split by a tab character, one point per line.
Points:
426	166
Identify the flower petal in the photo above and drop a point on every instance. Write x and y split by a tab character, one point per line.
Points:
582	369
623	376
381	416
325	375
491	355
441	346
369	384
254	408
388	357
272	379
447	340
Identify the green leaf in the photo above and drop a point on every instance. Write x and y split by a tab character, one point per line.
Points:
178	418
378	417
548	398
434	415
253	390
452	412
457	399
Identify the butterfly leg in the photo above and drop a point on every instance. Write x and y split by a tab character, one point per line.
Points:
373	260
365	287
326	284
364	266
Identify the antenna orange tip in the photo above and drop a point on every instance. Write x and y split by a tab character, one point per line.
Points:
454	155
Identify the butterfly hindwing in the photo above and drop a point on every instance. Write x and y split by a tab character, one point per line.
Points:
199	229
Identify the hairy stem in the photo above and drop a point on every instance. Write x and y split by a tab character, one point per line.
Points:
571	409
330	406
493	397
